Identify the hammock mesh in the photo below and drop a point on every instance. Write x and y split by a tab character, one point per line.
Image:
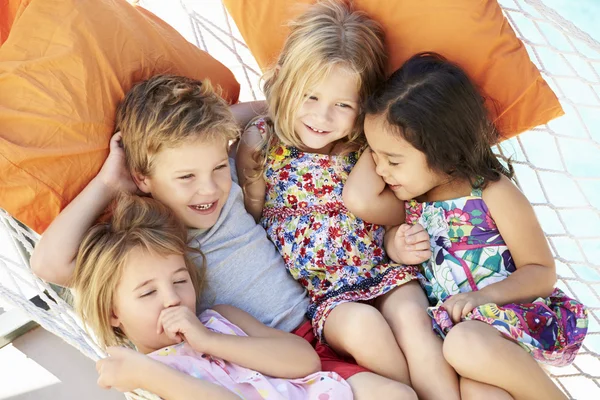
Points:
553	163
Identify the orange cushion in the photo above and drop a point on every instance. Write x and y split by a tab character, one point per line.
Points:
474	34
64	67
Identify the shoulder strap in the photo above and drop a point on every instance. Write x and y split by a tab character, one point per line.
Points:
476	190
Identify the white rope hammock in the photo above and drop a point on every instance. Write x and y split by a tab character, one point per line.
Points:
551	162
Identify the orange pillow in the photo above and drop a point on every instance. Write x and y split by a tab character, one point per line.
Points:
473	34
64	67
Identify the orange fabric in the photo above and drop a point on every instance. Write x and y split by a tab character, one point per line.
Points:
473	34
11	9
64	67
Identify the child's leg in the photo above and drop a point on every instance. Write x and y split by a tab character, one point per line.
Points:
479	352
405	310
370	386
472	390
360	331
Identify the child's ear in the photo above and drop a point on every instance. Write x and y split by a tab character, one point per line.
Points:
114	320
142	182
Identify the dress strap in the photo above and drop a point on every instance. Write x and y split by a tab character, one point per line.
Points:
476	190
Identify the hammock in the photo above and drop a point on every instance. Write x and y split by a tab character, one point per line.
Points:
550	161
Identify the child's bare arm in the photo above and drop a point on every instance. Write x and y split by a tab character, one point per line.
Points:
254	192
536	273
54	256
126	370
516	220
266	350
246	112
367	196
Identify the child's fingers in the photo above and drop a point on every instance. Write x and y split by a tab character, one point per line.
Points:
419	246
414	228
467	308
457	312
103	380
422	255
402	230
166	318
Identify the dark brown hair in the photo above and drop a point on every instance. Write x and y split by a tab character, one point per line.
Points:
439	111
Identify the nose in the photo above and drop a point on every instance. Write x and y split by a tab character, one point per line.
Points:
322	111
206	187
380	169
171	298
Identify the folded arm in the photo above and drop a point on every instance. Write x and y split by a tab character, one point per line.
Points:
536	272
54	256
367	196
266	350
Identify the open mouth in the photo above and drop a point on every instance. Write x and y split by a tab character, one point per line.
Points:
204	208
315	130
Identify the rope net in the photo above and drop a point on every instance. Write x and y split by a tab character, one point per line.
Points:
554	166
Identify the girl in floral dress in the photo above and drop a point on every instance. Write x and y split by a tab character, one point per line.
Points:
293	166
490	278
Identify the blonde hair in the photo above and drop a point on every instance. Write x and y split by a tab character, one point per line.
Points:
136	223
166	111
329	33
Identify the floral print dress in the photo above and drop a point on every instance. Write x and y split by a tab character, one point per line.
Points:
470	254
336	256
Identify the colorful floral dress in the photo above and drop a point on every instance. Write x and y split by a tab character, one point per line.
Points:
244	382
469	254
336	256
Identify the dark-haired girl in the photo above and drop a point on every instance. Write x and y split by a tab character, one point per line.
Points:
490	275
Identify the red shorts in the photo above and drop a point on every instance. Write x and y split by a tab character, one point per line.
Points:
330	360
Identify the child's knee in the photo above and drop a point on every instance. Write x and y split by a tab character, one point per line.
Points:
408	317
369	386
465	344
393	390
354	324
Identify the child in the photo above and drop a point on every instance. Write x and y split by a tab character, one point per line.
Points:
293	167
175	133
430	138
134	285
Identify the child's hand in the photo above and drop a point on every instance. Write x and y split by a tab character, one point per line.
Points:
412	244
459	305
114	173
122	369
180	323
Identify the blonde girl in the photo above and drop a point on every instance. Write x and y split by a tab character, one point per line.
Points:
293	166
135	287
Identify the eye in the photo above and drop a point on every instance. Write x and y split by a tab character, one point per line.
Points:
313	98
188	176
181	281
221	166
392	164
148	293
344	105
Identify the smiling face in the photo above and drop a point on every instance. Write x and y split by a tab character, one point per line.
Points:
192	179
329	111
401	166
149	284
